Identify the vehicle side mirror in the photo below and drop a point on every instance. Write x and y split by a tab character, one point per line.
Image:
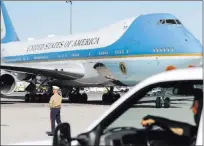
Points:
62	135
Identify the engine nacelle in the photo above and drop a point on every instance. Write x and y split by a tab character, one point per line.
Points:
7	83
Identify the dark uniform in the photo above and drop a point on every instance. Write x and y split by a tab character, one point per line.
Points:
55	107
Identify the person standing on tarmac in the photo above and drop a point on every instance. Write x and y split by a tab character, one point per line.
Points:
180	128
55	107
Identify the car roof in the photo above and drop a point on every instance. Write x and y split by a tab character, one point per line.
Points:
194	73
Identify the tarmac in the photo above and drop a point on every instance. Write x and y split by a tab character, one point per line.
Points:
22	121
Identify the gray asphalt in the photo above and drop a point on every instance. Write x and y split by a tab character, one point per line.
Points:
22	121
29	121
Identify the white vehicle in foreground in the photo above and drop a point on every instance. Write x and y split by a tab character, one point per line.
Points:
120	124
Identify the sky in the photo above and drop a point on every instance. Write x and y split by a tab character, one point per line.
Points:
37	19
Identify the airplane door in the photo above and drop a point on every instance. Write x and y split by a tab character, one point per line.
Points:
157	61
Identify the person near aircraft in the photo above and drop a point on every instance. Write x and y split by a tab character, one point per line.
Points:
55	108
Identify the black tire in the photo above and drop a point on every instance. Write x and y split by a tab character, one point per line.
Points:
37	98
105	97
158	102
78	98
75	97
31	98
84	97
167	102
117	96
71	97
40	98
27	98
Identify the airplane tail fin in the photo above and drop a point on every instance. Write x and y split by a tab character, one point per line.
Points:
8	33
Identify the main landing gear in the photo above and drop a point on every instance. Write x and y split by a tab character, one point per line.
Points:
37	98
163	101
110	96
76	96
36	94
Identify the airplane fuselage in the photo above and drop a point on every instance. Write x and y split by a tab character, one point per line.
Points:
128	51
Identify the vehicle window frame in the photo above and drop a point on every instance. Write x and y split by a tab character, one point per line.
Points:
121	109
199	140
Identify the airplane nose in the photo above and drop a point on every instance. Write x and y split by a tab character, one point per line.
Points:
192	43
193	47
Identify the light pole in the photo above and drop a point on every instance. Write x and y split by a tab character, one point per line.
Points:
70	15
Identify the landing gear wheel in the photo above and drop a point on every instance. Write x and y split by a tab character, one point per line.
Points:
37	98
74	97
31	98
40	98
27	98
46	97
105	97
158	102
84	97
167	102
117	96
71	98
78	97
110	97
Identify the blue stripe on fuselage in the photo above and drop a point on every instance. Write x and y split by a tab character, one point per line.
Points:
142	37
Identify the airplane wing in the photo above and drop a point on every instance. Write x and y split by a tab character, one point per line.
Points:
69	72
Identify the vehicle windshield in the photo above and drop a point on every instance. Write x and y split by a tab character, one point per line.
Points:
175	105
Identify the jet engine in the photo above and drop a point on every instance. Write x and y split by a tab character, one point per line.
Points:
7	83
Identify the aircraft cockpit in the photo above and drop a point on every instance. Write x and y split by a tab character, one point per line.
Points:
169	21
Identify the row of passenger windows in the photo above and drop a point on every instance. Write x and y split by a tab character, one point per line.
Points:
119	52
40	57
163	50
169	21
100	53
103	53
116	52
75	55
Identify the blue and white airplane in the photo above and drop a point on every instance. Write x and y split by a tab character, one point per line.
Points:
121	54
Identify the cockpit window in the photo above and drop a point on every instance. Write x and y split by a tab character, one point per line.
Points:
178	22
163	22
160	21
169	21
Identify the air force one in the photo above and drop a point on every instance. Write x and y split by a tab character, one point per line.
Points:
121	54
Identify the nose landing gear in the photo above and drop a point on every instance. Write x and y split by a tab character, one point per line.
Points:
162	100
